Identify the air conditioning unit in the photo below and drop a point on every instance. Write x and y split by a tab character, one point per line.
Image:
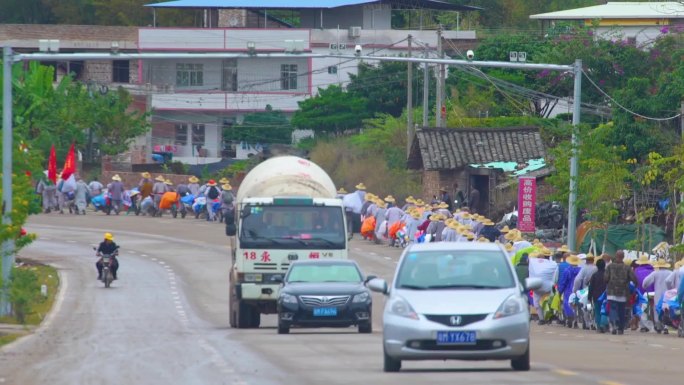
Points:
354	32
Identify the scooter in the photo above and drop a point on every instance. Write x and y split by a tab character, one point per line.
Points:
107	260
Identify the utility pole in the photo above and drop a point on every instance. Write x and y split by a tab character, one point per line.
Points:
7	245
574	160
439	94
426	88
681	120
409	101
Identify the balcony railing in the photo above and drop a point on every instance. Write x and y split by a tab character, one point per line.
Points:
221	39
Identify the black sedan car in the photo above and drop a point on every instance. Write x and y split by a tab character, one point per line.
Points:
324	293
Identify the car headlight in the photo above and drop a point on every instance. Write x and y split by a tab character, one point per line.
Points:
402	308
363	297
511	306
288	298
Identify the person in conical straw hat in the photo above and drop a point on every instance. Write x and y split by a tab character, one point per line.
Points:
361	186
565	284
675	277
227	204
658	279
223	180
644	268
547	270
193	186
390	200
582	282
435	227
145	184
341	192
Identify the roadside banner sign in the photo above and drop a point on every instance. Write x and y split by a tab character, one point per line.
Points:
527	199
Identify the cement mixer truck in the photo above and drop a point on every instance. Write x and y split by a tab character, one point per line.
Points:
285	210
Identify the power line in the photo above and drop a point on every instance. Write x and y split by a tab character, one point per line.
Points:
625	108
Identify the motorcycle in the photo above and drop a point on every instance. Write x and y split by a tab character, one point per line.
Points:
550	215
107	260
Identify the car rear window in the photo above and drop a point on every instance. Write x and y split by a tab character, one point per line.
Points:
455	269
323	273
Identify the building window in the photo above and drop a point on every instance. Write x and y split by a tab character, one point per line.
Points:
230	75
198	134
181	134
189	75
120	71
288	76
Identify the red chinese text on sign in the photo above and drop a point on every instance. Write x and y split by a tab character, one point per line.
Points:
265	257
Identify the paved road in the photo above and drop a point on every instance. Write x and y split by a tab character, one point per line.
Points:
166	322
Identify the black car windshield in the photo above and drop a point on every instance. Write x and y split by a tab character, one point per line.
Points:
323	273
467	269
292	227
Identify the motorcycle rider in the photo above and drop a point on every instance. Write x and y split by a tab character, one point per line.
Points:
108	246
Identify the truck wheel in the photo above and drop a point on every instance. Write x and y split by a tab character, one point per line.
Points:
255	317
243	315
233	312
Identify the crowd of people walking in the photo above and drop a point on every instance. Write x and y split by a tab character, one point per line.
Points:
151	196
606	293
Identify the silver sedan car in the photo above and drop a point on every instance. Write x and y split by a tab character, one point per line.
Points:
457	301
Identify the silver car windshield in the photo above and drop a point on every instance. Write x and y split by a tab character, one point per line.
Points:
469	269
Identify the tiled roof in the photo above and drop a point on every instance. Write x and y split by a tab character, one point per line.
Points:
449	149
68	32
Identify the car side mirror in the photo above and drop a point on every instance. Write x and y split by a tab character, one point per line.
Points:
277	279
378	285
369	278
533	283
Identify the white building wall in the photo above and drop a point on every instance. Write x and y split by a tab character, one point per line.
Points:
163	72
645	36
263	75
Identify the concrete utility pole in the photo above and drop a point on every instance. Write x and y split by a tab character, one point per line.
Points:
681	120
574	160
409	101
426	88
440	73
8	245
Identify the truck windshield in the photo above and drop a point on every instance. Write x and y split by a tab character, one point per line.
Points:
292	227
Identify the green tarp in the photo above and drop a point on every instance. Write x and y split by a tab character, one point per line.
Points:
620	235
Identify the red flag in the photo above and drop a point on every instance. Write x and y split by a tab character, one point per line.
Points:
52	165
69	164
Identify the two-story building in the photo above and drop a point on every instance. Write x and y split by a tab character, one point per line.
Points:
640	23
194	100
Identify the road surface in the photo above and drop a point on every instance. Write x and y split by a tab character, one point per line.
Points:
165	321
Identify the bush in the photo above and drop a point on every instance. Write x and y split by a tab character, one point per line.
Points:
24	291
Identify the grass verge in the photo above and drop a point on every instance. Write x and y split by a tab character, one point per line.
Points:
39	305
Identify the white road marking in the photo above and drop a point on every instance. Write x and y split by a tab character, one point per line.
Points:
388	258
372	253
71	241
161	263
656	345
131	252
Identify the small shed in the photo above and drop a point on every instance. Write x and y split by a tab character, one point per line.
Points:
461	159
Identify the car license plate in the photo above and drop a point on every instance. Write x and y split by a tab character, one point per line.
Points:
325	312
456	338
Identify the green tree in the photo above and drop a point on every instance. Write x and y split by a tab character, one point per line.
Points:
114	122
332	111
261	127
